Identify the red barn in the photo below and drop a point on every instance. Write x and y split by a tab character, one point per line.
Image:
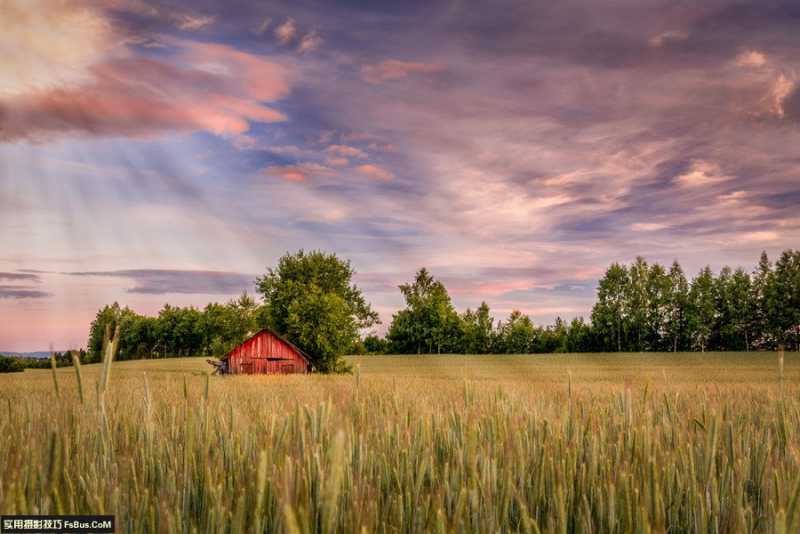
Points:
266	353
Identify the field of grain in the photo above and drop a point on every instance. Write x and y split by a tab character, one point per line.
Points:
550	443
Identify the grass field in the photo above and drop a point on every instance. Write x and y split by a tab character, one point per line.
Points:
550	443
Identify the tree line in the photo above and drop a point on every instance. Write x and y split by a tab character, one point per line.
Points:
310	298
643	307
175	331
639	307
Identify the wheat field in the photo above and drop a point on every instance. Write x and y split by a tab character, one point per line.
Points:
553	443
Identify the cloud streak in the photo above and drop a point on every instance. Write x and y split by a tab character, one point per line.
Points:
20	276
19	292
392	70
176	281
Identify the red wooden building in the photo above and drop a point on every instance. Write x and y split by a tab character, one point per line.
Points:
266	353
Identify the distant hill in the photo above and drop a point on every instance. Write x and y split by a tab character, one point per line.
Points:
39	354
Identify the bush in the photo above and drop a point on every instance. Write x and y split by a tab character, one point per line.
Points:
10	365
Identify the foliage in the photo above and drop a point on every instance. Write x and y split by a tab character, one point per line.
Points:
9	364
310	299
176	331
477	331
645	308
374	344
429	323
609	315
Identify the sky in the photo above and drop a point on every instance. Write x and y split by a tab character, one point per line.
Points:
170	151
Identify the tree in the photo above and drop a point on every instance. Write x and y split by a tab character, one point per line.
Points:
578	336
9	364
550	338
608	314
658	293
477	330
225	326
734	309
742	310
374	344
108	315
429	322
677	301
310	299
784	298
760	298
703	311
517	335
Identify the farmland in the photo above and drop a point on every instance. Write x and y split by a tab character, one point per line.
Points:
653	442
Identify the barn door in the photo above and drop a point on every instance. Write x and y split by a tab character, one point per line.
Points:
287	368
247	368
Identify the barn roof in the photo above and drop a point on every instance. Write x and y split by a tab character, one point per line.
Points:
300	351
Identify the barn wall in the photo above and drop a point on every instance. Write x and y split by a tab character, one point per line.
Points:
251	357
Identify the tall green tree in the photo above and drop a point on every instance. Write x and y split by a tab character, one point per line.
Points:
677	302
659	286
609	313
477	330
517	335
578	336
636	302
762	302
310	298
112	315
703	310
734	309
429	323
784	299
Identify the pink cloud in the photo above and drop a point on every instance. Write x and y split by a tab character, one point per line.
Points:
181	18
346	151
297	173
751	59
375	172
309	42
207	87
393	69
286	31
289	173
338	162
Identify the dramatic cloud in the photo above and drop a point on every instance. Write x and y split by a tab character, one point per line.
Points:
169	281
196	86
49	44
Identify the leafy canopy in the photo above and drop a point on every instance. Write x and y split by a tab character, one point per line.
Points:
429	323
310	298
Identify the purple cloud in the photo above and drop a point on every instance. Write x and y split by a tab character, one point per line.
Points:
175	281
21	292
